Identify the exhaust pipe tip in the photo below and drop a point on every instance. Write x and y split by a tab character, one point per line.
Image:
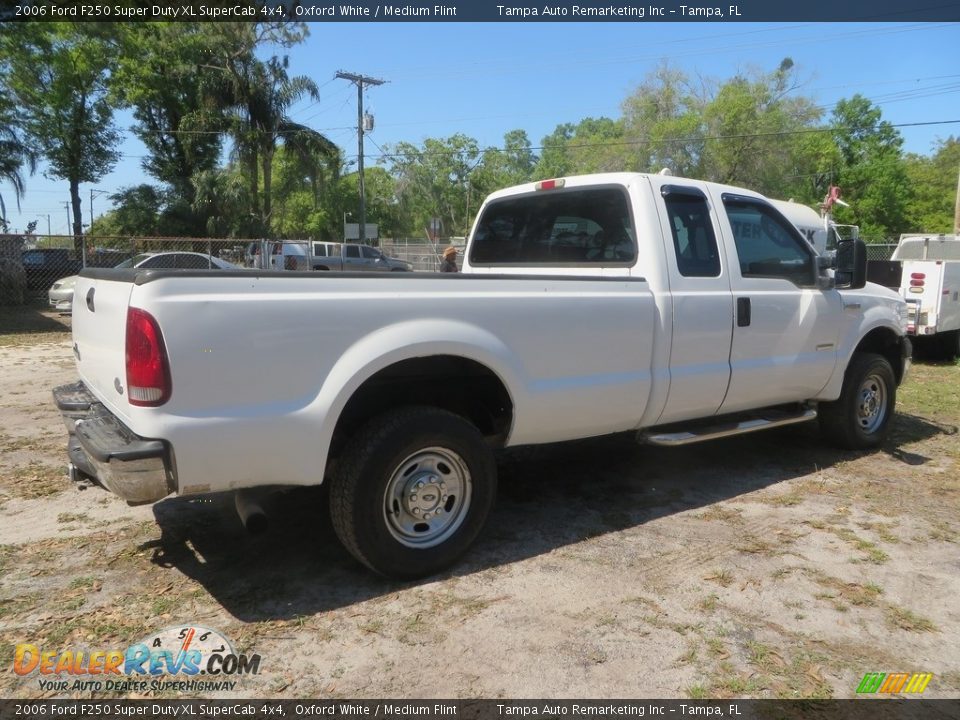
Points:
251	514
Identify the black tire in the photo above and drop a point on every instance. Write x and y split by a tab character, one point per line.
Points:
374	492
860	418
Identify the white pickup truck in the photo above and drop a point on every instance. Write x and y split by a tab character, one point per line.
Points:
677	309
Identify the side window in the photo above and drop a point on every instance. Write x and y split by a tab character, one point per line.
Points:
351	251
694	241
370	253
159	261
575	227
194	262
767	245
320	250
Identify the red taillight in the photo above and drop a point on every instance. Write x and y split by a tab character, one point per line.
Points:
550	184
916	283
148	372
918	276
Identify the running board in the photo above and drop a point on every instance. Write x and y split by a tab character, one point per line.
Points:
672	435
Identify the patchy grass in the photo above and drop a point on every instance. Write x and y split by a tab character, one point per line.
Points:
942	531
720	576
35	480
853	593
721	514
18	604
66	517
904	619
709	603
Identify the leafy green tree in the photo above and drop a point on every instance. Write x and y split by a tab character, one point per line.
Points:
554	158
58	74
160	72
592	145
872	172
137	210
222	197
434	181
662	120
254	97
511	164
754	126
934	183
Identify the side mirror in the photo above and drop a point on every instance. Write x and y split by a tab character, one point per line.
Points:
851	264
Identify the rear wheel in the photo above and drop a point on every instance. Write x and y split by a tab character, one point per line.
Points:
860	418
412	491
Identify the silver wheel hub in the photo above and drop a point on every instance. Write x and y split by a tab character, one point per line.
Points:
872	403
427	497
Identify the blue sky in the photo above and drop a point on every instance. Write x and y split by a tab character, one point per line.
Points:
488	78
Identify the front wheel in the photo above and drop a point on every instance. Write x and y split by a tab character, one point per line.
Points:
860	418
412	491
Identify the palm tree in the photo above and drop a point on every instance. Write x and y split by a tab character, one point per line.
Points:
254	98
274	125
15	156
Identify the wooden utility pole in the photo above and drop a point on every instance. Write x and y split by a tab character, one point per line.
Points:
360	81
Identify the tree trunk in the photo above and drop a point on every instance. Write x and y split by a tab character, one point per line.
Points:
267	185
77	218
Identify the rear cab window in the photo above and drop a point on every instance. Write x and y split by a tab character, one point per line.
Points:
560	228
694	241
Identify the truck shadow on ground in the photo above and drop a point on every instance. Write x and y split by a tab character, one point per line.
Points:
549	497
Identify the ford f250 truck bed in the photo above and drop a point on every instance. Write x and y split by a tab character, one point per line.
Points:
679	309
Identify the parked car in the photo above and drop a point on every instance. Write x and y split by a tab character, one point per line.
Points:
351	257
44	265
60	294
324	256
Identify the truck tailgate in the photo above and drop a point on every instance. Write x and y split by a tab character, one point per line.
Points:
99	338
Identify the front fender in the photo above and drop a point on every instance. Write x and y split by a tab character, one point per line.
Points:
877	323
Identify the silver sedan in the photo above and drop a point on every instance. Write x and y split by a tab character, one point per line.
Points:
60	294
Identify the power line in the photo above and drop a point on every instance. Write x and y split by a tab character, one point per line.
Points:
665	141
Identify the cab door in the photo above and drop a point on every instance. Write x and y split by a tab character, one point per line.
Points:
702	306
786	329
353	260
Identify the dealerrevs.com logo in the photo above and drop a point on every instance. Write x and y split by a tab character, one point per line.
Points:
187	658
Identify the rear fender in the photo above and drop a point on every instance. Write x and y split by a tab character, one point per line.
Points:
405	341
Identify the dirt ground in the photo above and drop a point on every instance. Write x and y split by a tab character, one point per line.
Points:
764	566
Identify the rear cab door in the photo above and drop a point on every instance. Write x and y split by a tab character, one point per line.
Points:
702	304
786	329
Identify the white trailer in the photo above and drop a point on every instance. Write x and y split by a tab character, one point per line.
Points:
931	286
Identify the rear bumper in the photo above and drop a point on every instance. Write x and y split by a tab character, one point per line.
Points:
134	468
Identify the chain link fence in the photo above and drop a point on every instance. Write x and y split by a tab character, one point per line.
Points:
30	264
880	251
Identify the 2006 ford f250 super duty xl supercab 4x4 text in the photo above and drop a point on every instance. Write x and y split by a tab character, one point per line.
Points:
679	309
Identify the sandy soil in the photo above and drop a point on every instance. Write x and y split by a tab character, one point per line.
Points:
764	566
